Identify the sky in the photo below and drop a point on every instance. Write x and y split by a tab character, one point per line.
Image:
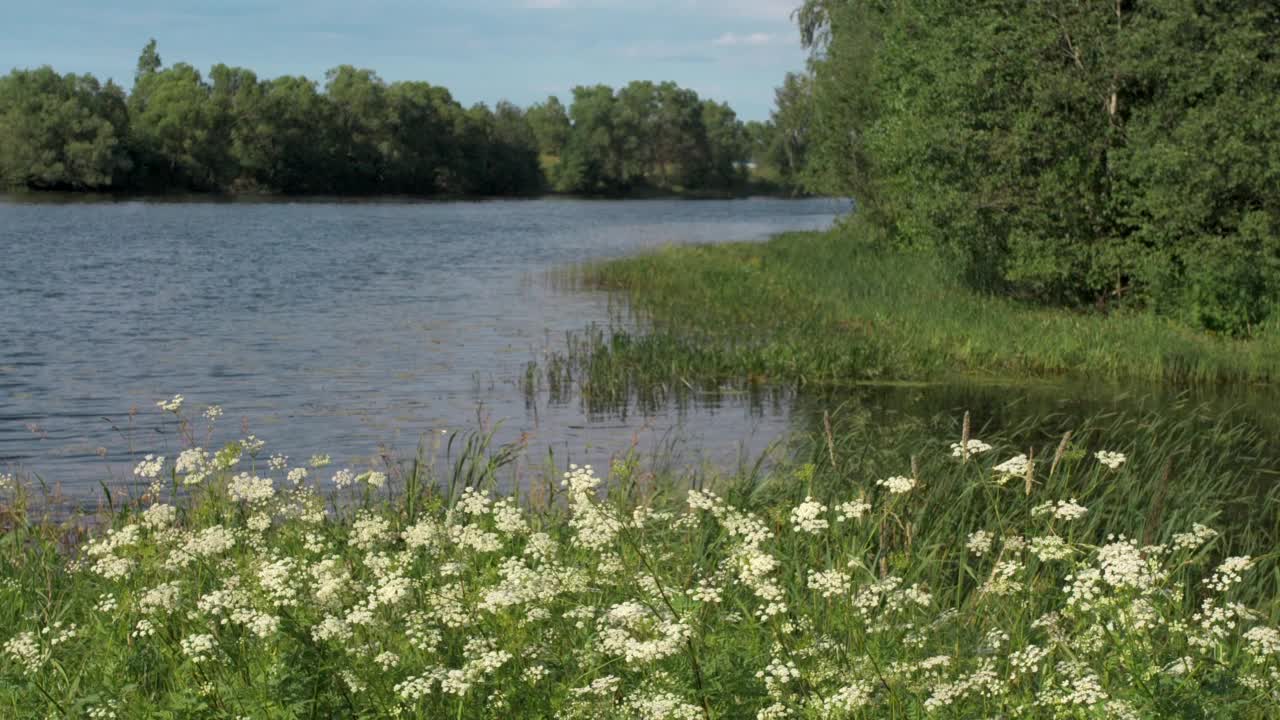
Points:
482	51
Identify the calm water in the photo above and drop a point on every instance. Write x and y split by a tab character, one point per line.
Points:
337	327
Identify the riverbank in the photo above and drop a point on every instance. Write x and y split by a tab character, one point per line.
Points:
827	308
882	572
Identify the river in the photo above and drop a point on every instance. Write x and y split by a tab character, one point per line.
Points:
347	328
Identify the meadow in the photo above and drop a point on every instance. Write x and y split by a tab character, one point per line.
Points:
1127	569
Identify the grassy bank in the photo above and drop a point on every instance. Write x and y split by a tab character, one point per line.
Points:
881	574
827	308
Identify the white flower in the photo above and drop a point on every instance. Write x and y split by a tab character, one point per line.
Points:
159	516
980	542
1263	642
1050	547
1228	573
150	467
1014	467
638	635
24	650
319	461
198	647
1062	510
807	517
250	488
975	447
829	582
162	598
172	405
1111	459
898	484
852	510
213	412
1199	535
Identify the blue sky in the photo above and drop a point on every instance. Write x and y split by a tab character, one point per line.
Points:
483	51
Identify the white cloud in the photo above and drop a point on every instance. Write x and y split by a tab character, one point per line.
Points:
730	39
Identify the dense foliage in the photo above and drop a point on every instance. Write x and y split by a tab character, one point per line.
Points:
887	573
1080	153
354	133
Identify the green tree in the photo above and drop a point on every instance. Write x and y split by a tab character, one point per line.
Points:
61	132
359	133
550	123
792	122
1081	153
590	163
184	140
728	149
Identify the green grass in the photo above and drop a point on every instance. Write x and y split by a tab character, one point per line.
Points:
424	596
830	309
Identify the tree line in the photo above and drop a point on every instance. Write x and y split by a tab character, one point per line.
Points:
1119	154
177	130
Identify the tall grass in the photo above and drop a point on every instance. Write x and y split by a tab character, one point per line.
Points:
874	574
831	308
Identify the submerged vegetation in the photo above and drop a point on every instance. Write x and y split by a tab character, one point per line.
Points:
1124	570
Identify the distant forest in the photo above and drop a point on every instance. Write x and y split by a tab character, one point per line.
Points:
177	130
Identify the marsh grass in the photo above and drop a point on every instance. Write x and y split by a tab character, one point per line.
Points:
419	591
830	309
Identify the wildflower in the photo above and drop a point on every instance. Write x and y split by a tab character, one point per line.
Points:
278	462
1050	547
1014	467
318	461
829	582
198	648
1199	535
897	485
638	635
25	651
297	475
852	510
150	467
1062	510
1124	566
343	478
980	542
162	598
172	405
250	488
1228	573
6	482
660	705
974	447
159	516
369	530
807	517
213	412
1262	642
373	479
1111	459
472	502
